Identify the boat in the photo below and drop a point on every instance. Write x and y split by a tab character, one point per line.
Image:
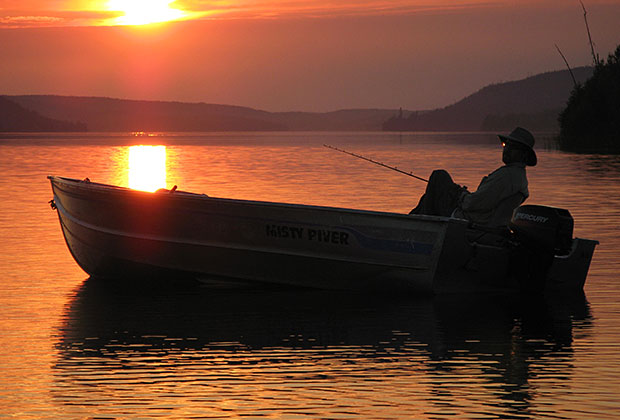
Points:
117	232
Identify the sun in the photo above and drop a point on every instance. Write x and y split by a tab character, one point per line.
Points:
147	167
143	12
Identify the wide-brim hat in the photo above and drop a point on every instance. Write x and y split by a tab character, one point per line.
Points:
522	137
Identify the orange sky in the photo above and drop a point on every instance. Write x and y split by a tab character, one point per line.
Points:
294	54
36	13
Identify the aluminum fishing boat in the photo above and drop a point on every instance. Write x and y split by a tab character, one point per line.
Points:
117	232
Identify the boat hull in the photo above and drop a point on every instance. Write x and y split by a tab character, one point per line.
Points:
118	232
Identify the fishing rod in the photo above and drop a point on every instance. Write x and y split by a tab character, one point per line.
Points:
376	163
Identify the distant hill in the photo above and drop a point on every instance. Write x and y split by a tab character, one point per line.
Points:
108	114
14	117
534	102
342	120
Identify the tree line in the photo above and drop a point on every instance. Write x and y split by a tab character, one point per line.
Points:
590	122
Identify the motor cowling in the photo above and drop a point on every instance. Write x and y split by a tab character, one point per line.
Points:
542	227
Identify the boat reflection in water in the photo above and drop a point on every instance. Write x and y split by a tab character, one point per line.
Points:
191	350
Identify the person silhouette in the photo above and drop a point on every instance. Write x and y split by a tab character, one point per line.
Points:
498	193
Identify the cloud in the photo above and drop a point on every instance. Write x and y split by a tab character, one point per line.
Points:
52	18
36	13
25	21
313	8
41	13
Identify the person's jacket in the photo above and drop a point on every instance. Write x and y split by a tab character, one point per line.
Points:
498	194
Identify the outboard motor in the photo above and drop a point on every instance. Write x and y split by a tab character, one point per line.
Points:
543	227
541	232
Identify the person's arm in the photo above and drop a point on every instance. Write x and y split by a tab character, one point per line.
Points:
493	189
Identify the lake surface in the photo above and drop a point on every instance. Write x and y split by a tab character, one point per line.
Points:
73	347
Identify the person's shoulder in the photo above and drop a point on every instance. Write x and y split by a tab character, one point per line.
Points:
513	168
502	170
508	171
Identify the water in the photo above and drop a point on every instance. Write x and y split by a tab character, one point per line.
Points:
73	347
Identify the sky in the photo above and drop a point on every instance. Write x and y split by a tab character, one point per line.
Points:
293	55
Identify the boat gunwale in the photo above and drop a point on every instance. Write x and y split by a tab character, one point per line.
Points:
185	195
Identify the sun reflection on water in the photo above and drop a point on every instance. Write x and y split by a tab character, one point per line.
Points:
147	168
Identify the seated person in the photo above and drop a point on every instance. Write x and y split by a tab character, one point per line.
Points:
498	194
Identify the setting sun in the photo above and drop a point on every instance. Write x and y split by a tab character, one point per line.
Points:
143	12
147	167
